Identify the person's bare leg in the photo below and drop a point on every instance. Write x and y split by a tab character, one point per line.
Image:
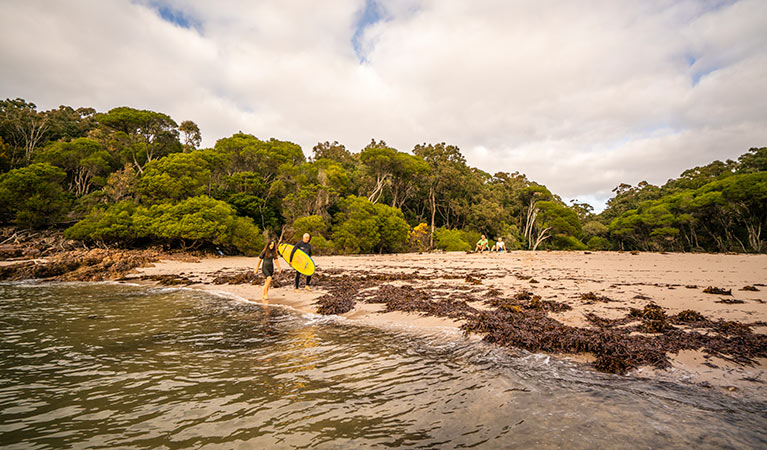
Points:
267	283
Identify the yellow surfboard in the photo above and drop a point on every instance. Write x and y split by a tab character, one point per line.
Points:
301	261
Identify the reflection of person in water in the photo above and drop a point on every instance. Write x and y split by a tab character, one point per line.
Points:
269	258
306	247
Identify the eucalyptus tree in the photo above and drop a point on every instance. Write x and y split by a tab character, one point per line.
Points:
151	134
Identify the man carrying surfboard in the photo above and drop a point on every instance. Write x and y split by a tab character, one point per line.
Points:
304	246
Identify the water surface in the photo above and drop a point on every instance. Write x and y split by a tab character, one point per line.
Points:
105	365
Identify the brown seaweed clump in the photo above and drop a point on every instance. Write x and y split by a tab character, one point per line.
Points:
591	298
717	291
690	318
654	319
522	321
749	288
730	301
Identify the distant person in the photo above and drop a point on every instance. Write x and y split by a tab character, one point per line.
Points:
481	245
306	248
269	258
500	246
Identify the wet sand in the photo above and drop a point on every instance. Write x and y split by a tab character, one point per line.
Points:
674	281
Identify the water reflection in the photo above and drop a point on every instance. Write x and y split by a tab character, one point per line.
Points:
110	365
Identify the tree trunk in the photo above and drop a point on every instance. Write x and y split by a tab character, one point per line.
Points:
542	236
433	201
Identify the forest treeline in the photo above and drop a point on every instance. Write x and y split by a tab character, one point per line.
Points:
132	178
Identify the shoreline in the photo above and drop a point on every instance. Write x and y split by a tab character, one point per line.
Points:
673	281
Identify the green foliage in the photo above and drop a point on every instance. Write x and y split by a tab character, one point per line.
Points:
200	221
451	240
33	196
148	135
392	228
314	225
364	227
727	214
561	219
195	222
127	175
598	243
113	225
565	242
85	160
175	177
755	160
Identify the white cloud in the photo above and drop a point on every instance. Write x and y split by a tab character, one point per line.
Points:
579	96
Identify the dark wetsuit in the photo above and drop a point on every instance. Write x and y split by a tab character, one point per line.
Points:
306	248
267	267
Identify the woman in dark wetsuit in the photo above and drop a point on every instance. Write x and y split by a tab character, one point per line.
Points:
269	257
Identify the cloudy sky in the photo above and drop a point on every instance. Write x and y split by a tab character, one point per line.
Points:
580	96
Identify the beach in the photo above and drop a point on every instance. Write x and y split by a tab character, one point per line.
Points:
603	284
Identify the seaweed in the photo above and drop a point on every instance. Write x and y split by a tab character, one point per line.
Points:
730	301
591	298
522	321
717	291
749	288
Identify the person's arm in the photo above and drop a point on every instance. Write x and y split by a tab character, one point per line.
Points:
258	266
277	262
293	252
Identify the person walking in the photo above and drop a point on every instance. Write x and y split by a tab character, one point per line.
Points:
269	258
306	248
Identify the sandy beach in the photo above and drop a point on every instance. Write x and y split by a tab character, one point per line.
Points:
675	282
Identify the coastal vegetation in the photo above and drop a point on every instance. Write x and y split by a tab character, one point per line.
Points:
133	178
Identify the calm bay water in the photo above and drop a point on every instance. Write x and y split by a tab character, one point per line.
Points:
105	365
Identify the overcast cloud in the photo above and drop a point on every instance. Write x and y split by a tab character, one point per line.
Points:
580	96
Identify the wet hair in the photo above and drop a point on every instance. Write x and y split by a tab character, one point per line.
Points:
269	252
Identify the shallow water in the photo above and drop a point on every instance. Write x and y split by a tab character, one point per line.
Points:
105	365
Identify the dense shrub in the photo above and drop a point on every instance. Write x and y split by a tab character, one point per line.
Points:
598	243
33	196
192	223
565	242
113	225
451	240
364	227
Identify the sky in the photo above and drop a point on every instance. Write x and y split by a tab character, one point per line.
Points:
579	96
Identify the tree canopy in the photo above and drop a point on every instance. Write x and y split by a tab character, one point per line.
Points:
131	177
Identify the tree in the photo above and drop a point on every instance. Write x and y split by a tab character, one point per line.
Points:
152	134
334	152
33	196
112	225
198	222
363	227
256	175
319	185
447	168
85	161
378	159
175	177
534	231
405	171
755	160
66	123
190	134
22	126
